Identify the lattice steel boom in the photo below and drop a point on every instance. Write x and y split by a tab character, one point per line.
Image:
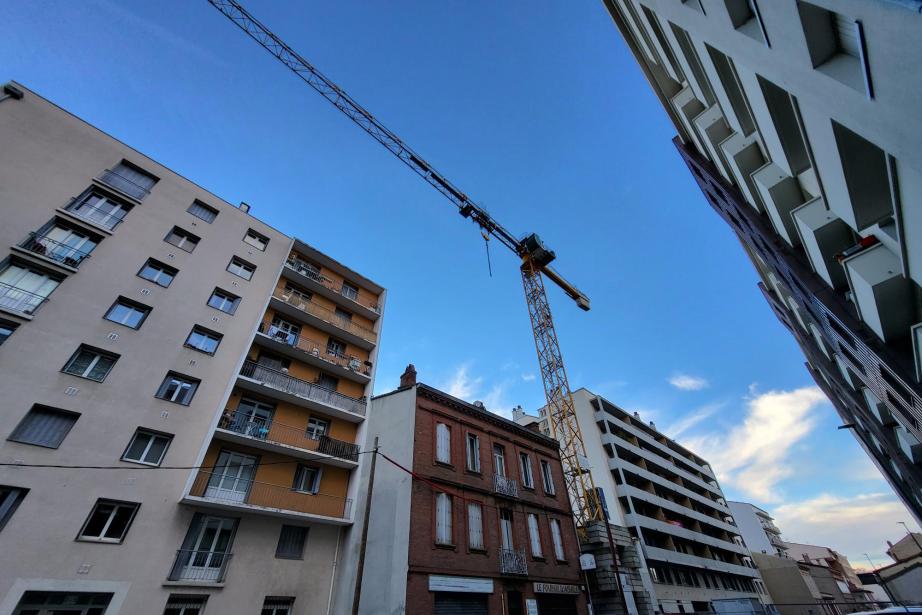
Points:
535	259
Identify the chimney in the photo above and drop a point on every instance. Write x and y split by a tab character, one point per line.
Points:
636	415
480	405
244	207
408	378
652	425
518	413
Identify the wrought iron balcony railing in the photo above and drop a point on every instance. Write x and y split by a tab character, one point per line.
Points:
199	566
97	215
349	293
55	250
123	184
325	314
313	348
513	561
302	388
505	486
269	430
226	489
19	300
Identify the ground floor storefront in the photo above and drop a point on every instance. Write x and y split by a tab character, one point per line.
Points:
457	595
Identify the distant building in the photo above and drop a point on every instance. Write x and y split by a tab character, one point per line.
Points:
483	524
902	580
758	528
808	588
829	558
906	548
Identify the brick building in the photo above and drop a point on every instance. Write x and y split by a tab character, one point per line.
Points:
481	526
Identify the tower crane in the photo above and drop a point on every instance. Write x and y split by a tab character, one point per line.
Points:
534	256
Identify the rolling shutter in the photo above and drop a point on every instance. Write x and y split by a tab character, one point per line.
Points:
447	603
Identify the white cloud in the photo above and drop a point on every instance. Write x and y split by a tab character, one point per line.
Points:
753	456
461	384
528	377
831	521
471	388
684	382
690	420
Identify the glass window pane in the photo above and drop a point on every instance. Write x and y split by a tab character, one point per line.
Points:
137	446
102	367
120	522
157	448
98	520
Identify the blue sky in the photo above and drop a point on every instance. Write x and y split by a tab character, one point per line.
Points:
542	116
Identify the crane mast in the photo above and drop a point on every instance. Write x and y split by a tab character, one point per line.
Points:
534	262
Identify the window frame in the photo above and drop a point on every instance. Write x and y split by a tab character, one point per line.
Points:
472	437
6	325
326	424
277	605
447	522
259	237
185	235
303	542
560	552
164	387
242	265
184	599
535	545
525	470
123	207
298	480
125	301
547	477
206	333
39	408
153	436
208	208
482	546
353	290
235	300
93	363
153	263
10	502
135	506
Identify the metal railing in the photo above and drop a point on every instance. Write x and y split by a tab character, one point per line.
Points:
271	431
299	266
313	348
513	561
96	215
19	300
55	250
123	184
210	486
199	566
505	486
308	390
326	315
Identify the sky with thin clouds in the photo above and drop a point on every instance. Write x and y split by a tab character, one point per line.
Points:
544	118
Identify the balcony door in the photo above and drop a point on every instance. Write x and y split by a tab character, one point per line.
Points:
23	289
232	477
505	527
499	460
63	243
252	418
206	547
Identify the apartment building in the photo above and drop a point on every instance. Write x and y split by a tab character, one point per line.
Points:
199	378
799	122
758	529
801	587
469	512
668	498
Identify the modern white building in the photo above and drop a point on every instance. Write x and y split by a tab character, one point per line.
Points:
799	120
758	529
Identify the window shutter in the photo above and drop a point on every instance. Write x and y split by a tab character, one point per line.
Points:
847	35
44	427
558	540
475	526
135	176
442	443
443	518
534	535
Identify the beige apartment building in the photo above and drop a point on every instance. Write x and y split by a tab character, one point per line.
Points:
207	375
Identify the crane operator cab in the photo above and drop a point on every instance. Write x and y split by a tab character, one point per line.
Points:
535	250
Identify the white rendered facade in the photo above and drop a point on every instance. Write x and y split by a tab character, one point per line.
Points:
758	529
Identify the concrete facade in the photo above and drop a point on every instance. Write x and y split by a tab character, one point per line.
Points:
109	362
758	529
807	588
797	121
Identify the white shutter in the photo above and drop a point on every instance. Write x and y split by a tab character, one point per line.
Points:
558	540
534	535
847	34
443	519
525	462
442	443
475	526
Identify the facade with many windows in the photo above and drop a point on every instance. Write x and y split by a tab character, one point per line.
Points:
148	327
799	122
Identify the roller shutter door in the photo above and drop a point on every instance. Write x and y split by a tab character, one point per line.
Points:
448	603
556	605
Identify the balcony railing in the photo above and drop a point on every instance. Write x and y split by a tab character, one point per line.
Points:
123	184
513	561
311	347
326	315
505	486
211	486
271	431
199	566
97	215
319	278
283	382
19	300
55	250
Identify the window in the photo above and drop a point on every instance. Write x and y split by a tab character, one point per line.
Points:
726	73
224	301
475	525
256	240
44	426
350	291
185	605
241	268
343	315
90	363
547	476
61	243
317	427
291	542
177	388
499	460
109	521
127	312
277	606
129	179
182	239
443	532
442	443
10	498
836	46
24	289
327	381
528	480
69	603
293	293
147	447
203	212
557	539
158	273
307	479
783	113
534	535
746	18
866	170
6	329
203	340
99	209
473	453
336	347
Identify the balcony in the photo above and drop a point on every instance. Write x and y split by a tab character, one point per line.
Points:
309	351
505	486
880	291
116	180
513	561
199	566
51	249
325	319
105	218
299	271
255	377
268	434
15	299
276	500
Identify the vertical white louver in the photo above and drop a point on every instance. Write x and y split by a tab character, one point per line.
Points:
558	540
443	519
475	526
442	443
534	535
